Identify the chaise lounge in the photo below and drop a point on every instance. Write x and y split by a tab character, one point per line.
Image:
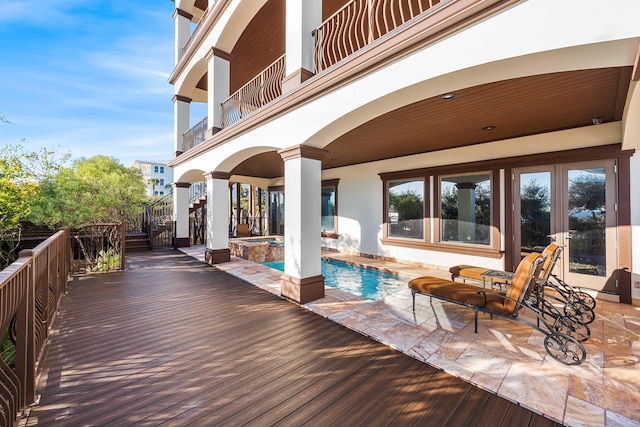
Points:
558	344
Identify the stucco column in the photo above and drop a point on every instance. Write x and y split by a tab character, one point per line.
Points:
219	74
303	16
217	250
466	211
182	25
180	121
302	280
181	214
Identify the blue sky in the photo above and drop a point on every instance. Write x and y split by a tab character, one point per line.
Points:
88	77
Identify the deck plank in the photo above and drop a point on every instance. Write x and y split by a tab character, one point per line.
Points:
172	341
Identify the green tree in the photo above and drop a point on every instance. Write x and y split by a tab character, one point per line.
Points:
153	182
21	176
91	191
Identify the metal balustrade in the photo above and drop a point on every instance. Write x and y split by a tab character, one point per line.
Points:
261	90
359	23
195	136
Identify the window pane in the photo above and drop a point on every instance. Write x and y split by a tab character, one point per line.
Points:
328	209
406	209
466	209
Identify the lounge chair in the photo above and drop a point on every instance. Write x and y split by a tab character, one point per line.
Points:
577	304
559	345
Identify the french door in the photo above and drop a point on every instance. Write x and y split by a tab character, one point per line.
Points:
574	206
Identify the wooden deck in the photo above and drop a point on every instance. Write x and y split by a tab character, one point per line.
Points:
172	341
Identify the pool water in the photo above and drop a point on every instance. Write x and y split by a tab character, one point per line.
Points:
364	282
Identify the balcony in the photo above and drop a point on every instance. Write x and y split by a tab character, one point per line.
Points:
197	30
262	89
195	136
361	22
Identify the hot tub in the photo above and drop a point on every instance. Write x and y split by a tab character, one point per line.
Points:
258	249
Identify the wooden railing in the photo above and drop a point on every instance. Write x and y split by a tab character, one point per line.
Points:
195	136
359	23
261	90
30	292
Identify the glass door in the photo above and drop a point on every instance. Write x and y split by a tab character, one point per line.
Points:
589	225
534	224
276	212
572	205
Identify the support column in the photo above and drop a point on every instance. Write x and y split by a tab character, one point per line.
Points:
181	214
466	211
218	77
217	250
303	17
182	25
302	280
180	121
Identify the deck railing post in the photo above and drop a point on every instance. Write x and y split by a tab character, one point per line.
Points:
25	361
122	246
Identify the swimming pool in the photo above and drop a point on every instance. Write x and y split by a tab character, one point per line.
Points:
364	282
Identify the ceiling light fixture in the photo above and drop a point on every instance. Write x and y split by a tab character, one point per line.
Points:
490	127
448	96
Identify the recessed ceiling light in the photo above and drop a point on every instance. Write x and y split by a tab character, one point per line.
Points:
448	96
490	127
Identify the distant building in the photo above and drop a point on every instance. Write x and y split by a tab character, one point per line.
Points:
158	177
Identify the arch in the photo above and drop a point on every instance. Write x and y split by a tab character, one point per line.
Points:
240	16
187	87
191	176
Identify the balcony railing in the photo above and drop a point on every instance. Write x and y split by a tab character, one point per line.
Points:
197	29
359	23
264	88
195	136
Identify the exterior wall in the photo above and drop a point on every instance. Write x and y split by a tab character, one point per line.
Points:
148	172
360	194
409	80
529	38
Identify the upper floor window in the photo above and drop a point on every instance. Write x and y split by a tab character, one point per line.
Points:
161	169
406	208
161	182
156	168
465	209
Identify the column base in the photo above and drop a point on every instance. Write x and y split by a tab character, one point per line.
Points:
181	242
212	131
302	291
217	256
295	79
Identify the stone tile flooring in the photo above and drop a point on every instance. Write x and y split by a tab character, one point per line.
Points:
504	357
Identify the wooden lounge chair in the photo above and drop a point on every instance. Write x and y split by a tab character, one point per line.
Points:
559	345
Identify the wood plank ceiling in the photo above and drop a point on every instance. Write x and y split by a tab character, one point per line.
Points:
515	108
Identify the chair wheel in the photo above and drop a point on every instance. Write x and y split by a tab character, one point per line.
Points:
565	349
